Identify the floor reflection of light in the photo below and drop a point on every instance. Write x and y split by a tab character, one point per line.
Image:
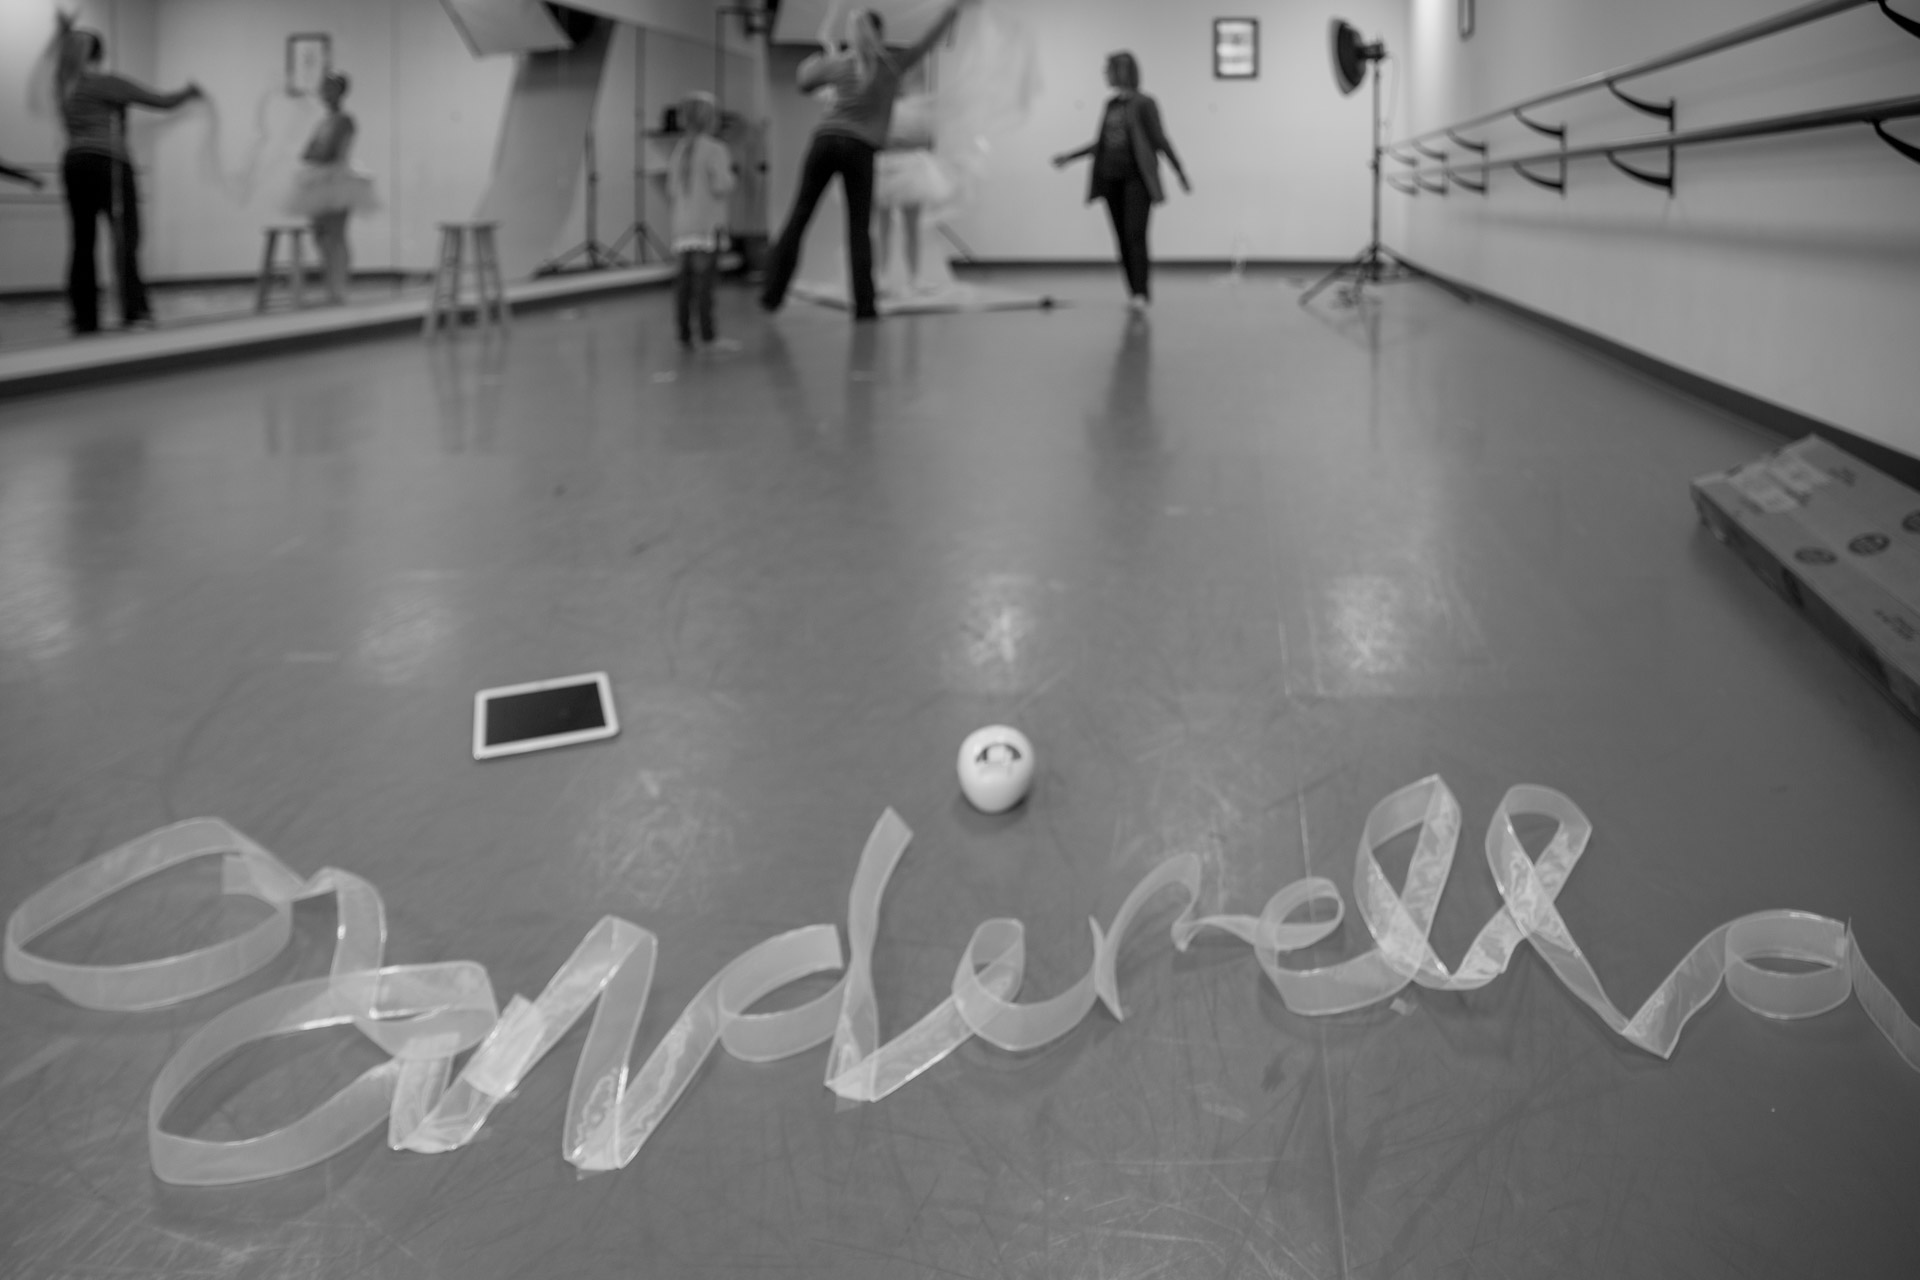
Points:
409	631
36	587
1372	634
991	653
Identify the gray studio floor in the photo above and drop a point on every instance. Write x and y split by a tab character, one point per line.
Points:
1239	570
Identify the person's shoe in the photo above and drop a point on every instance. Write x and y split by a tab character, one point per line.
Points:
769	304
1138	302
138	323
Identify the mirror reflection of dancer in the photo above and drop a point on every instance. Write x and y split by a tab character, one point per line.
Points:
910	178
328	190
1126	170
97	172
699	180
864	79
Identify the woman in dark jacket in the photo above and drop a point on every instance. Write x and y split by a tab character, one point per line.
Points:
1126	169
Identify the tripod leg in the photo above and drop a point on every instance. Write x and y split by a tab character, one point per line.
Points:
1354	266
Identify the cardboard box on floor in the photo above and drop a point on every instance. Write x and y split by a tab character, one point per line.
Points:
1838	539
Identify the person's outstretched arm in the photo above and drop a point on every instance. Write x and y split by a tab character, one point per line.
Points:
132	93
1150	117
1066	158
924	45
823	69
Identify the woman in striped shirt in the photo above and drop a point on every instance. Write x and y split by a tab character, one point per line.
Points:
97	171
865	79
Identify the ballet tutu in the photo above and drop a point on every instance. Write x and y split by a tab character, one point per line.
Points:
330	188
903	178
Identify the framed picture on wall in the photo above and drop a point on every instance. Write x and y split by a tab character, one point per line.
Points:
1466	18
309	59
1236	48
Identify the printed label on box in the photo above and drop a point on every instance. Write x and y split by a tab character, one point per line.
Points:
1757	485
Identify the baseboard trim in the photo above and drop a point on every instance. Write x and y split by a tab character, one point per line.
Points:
235	280
1773	418
94	361
962	265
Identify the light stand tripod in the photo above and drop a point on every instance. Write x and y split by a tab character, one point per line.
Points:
1374	264
638	233
597	256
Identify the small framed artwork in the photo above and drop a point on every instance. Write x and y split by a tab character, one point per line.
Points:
309	59
518	718
1236	48
1466	18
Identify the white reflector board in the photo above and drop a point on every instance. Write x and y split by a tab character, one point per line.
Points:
506	26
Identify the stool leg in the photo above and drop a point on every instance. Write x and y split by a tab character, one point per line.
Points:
436	305
297	236
266	271
459	276
490	255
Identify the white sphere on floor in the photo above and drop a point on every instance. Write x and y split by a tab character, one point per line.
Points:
996	768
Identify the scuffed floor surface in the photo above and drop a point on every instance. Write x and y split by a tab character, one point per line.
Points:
1238	570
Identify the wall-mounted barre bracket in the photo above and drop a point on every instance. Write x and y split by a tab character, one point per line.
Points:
1652	179
1901	20
1429	152
1551	130
1642	104
1478	188
1905	148
1404	188
1552	184
1424	185
1402	159
1467	143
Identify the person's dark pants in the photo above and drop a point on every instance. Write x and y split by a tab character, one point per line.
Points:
828	155
693	293
1129	204
98	187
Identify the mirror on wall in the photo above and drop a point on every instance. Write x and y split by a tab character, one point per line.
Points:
231	161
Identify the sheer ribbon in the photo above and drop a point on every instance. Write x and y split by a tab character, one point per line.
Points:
425	1016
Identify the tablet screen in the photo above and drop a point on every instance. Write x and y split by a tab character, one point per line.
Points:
545	713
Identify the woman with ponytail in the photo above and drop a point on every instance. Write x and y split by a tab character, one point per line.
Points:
864	79
97	171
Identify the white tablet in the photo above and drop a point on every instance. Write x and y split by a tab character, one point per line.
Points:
546	713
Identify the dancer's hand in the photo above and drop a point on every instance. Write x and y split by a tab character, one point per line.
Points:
194	91
1062	160
1184	184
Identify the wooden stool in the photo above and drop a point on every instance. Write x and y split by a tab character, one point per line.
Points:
296	272
491	304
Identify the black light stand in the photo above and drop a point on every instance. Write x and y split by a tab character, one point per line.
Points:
590	254
1374	264
638	233
593	255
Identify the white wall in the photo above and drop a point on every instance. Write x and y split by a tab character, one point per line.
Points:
1279	164
1788	268
429	116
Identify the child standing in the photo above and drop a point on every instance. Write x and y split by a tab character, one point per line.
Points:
699	180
